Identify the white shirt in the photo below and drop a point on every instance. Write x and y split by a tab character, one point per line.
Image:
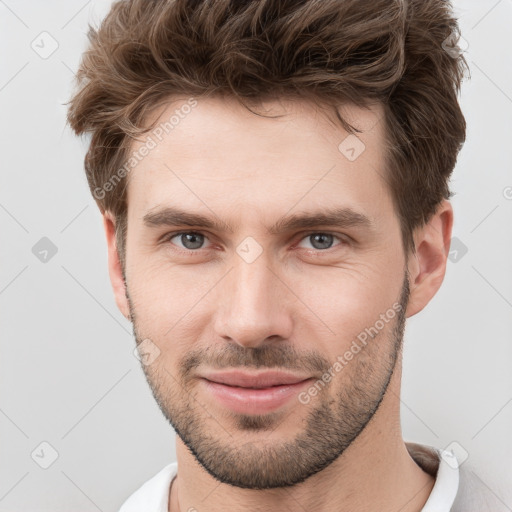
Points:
153	496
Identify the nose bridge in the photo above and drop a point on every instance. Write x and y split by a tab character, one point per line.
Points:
251	305
254	285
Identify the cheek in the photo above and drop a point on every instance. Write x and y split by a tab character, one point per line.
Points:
344	299
166	291
169	303
350	304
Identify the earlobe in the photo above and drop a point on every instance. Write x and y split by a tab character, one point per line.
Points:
427	267
114	266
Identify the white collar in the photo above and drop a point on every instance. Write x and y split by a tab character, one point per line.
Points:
153	495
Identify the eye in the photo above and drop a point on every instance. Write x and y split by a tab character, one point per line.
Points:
193	241
322	241
190	240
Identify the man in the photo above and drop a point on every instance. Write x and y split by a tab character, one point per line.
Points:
273	177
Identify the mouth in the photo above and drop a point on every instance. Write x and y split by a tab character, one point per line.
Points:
261	380
253	393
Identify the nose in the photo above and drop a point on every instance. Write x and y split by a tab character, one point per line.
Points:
253	305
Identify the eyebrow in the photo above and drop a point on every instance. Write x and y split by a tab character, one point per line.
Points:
339	217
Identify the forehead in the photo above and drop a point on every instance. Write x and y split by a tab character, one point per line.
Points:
215	154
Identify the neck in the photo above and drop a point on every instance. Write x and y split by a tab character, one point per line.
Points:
376	472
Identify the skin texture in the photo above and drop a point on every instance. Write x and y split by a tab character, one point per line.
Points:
298	306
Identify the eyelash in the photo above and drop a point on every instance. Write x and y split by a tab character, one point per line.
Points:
168	237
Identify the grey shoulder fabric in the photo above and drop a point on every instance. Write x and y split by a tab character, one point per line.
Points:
426	457
473	494
457	489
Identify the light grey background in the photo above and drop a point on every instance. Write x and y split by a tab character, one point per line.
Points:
68	374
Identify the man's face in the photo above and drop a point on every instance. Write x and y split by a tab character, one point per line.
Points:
240	295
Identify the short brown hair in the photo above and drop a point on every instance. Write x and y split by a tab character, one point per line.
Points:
330	51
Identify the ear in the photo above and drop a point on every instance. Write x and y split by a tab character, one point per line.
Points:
114	266
428	267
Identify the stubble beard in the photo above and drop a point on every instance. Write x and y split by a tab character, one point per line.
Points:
332	423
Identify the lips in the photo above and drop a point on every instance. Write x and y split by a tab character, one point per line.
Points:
261	380
253	393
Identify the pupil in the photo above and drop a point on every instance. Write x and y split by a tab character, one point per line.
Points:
188	240
322	236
